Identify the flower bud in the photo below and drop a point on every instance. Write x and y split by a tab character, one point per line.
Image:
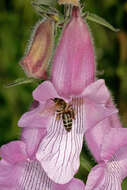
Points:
73	2
39	52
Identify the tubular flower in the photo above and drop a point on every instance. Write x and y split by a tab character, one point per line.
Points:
37	58
18	172
74	63
59	149
112	168
95	136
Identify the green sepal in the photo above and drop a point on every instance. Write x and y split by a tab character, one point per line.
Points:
45	6
100	20
21	81
50	3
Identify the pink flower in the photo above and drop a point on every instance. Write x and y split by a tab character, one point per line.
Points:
18	172
112	168
74	62
59	150
95	136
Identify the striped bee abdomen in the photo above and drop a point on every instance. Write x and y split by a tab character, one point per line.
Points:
67	120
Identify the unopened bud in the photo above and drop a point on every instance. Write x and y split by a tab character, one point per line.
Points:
73	2
40	49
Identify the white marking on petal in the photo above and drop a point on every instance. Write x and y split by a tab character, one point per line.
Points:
59	151
34	178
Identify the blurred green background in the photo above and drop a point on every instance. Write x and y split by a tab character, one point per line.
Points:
17	19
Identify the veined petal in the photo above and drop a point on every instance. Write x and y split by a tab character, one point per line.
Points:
114	152
118	163
95	136
32	138
115	139
74	184
24	174
34	118
73	65
59	151
9	175
101	178
34	177
13	152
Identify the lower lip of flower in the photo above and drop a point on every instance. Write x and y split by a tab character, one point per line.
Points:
59	151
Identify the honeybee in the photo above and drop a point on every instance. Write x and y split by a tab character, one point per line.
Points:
64	111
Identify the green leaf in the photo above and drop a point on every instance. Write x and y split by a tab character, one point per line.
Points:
85	163
20	82
45	6
101	21
50	3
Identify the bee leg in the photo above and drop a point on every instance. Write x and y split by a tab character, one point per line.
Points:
58	116
68	107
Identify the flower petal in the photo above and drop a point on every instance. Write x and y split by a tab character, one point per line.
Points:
9	175
97	92
100	178
116	138
34	177
95	136
117	165
45	91
96	113
13	152
59	151
74	184
32	138
98	102
34	118
95	177
73	65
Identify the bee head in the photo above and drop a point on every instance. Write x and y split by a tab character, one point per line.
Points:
58	101
55	99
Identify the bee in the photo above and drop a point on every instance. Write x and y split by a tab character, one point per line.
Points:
64	111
